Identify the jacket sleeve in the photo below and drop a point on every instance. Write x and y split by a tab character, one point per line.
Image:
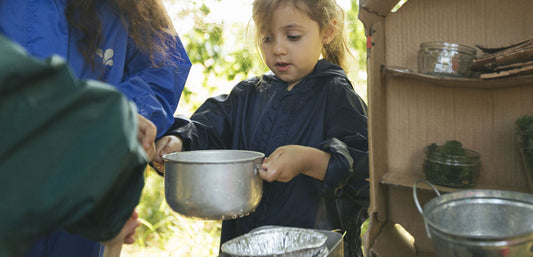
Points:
347	142
156	90
212	124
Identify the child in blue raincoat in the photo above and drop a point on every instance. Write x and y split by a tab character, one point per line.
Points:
304	115
146	62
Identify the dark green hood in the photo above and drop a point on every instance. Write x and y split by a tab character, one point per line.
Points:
69	155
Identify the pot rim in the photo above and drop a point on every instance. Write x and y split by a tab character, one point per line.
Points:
479	194
219	156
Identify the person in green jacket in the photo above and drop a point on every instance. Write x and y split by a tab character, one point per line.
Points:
72	153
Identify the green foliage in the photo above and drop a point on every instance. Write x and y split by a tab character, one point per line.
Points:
452	147
451	165
525	123
162	230
524	137
226	51
356	35
206	46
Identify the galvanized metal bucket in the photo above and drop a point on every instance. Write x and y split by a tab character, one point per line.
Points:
479	223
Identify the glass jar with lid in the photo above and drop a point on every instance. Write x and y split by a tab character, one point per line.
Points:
451	166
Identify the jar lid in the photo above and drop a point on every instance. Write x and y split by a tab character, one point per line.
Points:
449	47
467	156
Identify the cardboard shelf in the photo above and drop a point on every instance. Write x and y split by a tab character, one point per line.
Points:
453	82
409	110
393	179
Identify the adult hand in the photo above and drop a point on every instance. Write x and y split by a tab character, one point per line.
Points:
288	161
164	145
146	135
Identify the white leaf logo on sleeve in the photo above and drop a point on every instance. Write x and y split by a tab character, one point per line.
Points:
107	56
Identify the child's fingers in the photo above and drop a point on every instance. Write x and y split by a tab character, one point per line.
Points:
269	174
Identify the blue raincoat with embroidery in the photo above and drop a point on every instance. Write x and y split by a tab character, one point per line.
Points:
42	29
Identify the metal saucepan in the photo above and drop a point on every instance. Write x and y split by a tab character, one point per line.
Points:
213	184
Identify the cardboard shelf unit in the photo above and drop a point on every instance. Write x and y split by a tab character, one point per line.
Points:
408	111
461	85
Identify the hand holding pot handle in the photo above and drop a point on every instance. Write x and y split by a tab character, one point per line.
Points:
288	161
165	145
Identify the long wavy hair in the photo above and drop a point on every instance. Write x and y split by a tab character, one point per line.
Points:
147	22
324	12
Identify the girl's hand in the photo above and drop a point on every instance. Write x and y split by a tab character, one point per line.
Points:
288	161
146	135
164	145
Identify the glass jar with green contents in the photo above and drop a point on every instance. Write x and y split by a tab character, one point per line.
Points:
451	165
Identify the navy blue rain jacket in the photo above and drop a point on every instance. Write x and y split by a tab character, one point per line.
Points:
260	114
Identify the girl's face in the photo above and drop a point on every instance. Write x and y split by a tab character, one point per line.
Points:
292	46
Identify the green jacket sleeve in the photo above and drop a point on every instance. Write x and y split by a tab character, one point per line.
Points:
69	155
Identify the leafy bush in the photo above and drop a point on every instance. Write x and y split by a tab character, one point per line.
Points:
166	233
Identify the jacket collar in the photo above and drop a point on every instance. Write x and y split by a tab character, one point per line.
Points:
322	69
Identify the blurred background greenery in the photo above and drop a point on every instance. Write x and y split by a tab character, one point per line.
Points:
218	38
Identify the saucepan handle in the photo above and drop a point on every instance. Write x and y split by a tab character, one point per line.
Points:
259	166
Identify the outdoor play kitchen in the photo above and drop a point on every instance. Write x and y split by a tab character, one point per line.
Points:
450	94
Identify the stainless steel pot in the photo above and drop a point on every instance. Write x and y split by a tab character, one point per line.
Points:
479	223
213	184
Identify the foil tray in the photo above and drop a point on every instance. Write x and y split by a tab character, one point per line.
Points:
270	241
273	241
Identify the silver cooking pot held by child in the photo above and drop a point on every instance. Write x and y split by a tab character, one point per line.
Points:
213	184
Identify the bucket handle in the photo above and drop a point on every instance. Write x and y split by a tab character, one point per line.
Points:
415	196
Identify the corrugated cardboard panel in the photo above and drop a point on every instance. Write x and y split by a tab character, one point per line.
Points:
485	22
376	120
393	242
408	111
402	210
379	7
419	113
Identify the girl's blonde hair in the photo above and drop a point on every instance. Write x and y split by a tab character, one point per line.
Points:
325	12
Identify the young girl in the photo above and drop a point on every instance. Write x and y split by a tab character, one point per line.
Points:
305	116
